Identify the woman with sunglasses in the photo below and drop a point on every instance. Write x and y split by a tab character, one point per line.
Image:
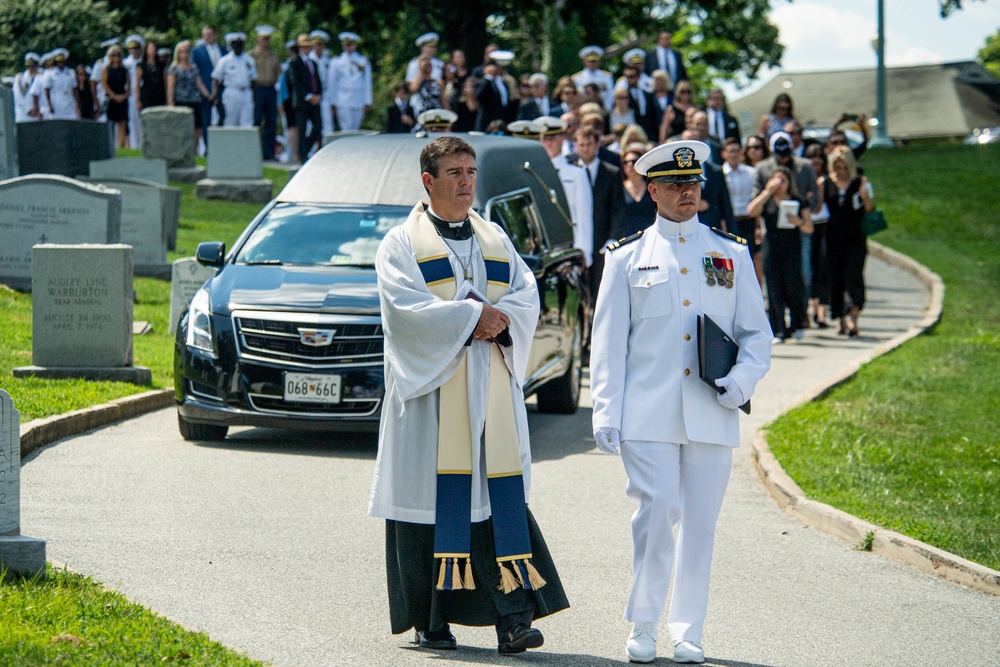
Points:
755	150
781	114
673	118
640	209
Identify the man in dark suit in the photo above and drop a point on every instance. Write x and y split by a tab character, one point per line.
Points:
539	104
609	198
666	58
204	56
642	103
306	93
496	100
721	124
716	208
399	114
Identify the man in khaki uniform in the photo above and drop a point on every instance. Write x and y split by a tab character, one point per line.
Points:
265	93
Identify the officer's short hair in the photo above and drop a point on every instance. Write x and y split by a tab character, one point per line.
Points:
587	131
430	156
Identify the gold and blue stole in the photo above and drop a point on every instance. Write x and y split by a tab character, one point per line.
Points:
453	516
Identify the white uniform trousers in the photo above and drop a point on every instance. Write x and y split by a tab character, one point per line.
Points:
134	123
326	116
350	117
682	486
239	107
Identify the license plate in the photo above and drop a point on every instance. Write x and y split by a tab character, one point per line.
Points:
312	388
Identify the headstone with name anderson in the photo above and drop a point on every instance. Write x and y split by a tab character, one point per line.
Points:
81	314
51	209
187	278
19	554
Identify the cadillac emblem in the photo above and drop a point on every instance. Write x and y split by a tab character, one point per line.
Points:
317	337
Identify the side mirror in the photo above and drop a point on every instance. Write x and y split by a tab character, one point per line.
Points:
211	254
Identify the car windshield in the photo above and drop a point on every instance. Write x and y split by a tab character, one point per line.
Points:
306	234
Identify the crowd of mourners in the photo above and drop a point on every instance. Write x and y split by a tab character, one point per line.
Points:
799	203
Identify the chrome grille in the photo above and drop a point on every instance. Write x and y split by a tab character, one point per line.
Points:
276	336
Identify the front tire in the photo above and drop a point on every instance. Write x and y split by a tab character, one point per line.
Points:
194	431
561	396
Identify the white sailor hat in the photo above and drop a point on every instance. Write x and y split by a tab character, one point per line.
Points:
634	56
437	119
164	51
264	30
525	129
428	38
502	57
134	42
781	144
592	52
235	37
675	162
348	36
289	44
30	55
111	41
60	54
320	36
45	58
551	125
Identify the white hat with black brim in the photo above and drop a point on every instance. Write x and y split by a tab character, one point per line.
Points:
675	162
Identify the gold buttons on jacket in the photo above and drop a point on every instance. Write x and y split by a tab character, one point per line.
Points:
681	239
686	302
687	371
684	270
687	336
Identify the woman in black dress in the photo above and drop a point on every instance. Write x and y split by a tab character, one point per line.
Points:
152	79
848	196
640	209
465	104
115	79
783	252
84	94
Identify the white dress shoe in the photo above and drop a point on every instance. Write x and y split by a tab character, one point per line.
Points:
685	651
641	645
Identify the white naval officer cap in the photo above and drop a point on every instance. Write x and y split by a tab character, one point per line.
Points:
60	54
235	37
134	42
264	30
502	57
164	51
526	129
428	38
592	52
320	36
111	41
32	56
551	125
675	162
45	58
437	119
634	56
348	36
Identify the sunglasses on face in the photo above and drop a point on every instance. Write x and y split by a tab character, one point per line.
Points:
754	147
629	162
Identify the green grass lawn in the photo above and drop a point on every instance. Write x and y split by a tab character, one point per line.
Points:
71	621
912	442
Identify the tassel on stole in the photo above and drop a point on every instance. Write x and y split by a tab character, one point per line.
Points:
533	576
456	576
441	573
507	581
470	584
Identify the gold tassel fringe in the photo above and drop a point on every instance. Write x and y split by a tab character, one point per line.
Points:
470	585
517	571
533	577
440	584
507	581
456	576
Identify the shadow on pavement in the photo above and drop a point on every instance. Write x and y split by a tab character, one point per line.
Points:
301	443
479	655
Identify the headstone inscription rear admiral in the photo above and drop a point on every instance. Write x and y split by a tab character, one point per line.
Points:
235	167
51	209
8	135
81	314
168	134
19	554
188	276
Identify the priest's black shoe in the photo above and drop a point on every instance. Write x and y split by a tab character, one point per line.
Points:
519	638
441	640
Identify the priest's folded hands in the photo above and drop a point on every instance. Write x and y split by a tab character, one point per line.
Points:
492	321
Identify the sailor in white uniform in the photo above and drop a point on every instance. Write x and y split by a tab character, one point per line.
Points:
576	185
636	57
350	83
592	73
60	88
321	57
676	433
236	71
25	108
428	45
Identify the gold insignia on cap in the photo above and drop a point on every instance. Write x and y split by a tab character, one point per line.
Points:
684	157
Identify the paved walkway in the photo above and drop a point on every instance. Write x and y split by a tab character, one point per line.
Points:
262	541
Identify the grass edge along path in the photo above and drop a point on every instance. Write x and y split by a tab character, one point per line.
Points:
70	620
910	442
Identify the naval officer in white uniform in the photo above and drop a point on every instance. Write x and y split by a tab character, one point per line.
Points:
60	88
592	73
675	433
350	83
235	72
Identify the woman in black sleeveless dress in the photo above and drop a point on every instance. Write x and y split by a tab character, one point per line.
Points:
115	79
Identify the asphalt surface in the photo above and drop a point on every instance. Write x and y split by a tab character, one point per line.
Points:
262	541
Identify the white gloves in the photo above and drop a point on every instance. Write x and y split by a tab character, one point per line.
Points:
608	439
732	398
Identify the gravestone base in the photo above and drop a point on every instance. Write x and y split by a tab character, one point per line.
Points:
22	555
186	174
158	271
140	375
253	190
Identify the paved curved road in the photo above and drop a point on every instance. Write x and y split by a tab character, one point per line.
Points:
263	543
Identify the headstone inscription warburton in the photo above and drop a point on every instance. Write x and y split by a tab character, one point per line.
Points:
51	209
63	147
8	135
187	278
235	167
168	134
154	170
81	314
18	554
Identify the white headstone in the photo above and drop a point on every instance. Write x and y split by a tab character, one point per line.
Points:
187	278
81	306
154	170
51	209
235	153
10	467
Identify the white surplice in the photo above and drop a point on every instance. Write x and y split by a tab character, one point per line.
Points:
424	341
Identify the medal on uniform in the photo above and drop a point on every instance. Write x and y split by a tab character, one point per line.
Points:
730	273
709	271
720	270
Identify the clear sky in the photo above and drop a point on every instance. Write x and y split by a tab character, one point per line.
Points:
822	35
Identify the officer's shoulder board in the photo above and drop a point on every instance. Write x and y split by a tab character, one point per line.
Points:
731	237
604	72
628	239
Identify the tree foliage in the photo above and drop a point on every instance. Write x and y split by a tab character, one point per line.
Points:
42	25
989	55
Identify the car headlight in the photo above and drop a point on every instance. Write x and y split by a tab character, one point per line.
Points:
199	331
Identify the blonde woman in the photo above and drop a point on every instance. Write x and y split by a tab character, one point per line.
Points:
184	86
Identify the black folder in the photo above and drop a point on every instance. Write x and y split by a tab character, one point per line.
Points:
717	354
